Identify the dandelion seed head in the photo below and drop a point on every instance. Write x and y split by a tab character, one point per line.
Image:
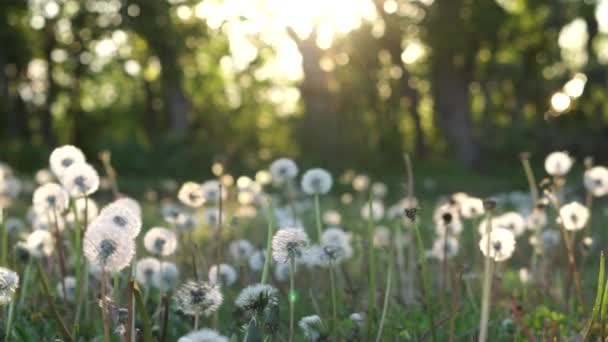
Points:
311	326
226	276
191	194
203	335
160	241
70	289
377	210
9	282
596	181
80	179
130	204
198	298
108	246
289	243
574	216
257	260
169	275
13	224
537	219
240	251
119	215
471	207
63	157
44	176
211	191
382	237
46	221
445	247
332	218
511	220
447	220
212	216
283	170
147	272
317	181
40	243
502	244
50	198
90	208
558	163
361	182
282	271
524	275
255	298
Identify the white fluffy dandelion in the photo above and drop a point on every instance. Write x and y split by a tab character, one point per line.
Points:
198	298
40	243
558	163
49	198
447	220
9	282
332	218
191	194
240	251
512	221
203	335
316	182
169	276
63	157
83	206
118	214
289	243
574	216
255	298
596	181
336	244
70	289
160	241
211	191
80	179
377	210
225	276
108	246
257	260
130	204
147	272
311	326
283	170
502	244
445	247
471	207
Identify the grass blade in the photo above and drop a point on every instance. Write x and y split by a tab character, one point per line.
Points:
141	308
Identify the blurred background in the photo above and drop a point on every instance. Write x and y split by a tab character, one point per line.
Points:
169	86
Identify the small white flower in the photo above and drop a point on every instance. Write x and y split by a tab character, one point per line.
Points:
147	272
191	194
502	244
227	275
289	243
9	282
203	335
382	237
63	157
283	170
377	210
512	221
310	326
596	181
108	246
50	197
40	243
120	215
316	182
160	241
574	216
198	298
558	163
80	179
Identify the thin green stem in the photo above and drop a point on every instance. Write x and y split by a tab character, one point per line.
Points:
27	273
318	218
387	293
9	322
47	291
372	261
425	281
292	296
104	307
598	306
531	179
487	283
334	302
268	253
4	234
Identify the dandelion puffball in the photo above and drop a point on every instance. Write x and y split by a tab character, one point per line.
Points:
118	214
471	207
289	243
40	243
203	335
227	275
9	282
501	244
49	198
255	298
311	325
316	182
80	179
160	241
512	221
108	246
377	210
198	298
444	247
63	157
240	250
574	216
283	170
147	272
70	289
191	194
169	275
558	163
596	181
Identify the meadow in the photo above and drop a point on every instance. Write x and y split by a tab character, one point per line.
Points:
303	255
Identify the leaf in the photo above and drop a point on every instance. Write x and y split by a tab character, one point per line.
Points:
141	309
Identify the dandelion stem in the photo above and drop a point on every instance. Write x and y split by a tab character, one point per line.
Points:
372	261
487	283
268	253
603	311
59	244
81	266
318	218
334	302
292	295
4	234
598	301
27	273
9	322
425	280
389	279
130	333
45	286
104	307
525	160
